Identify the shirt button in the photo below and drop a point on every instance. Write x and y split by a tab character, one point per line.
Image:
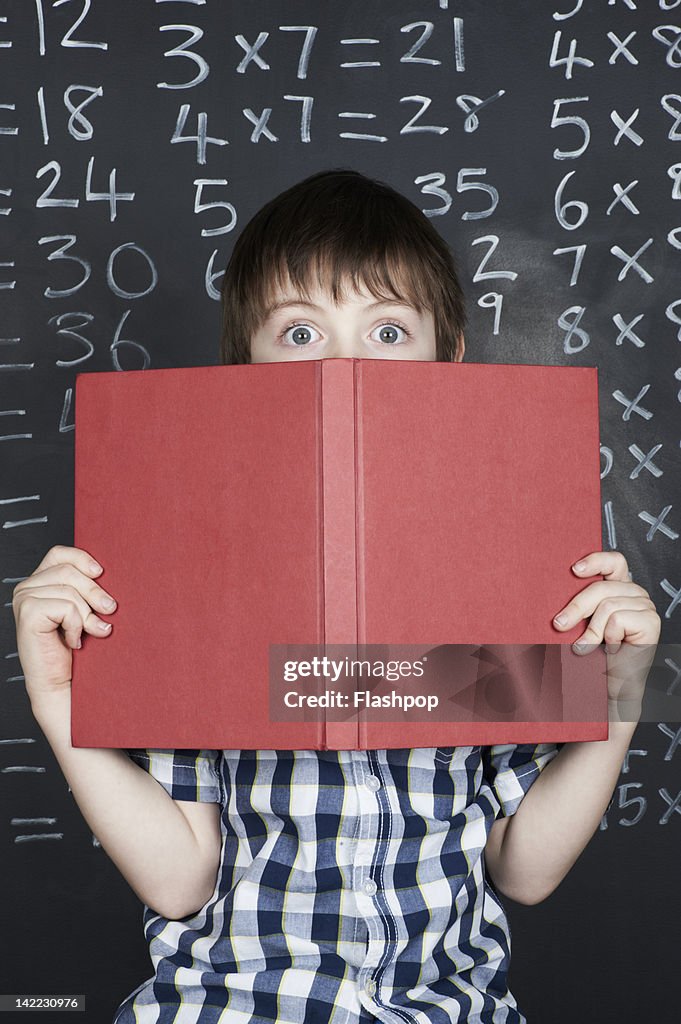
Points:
370	887
373	782
370	987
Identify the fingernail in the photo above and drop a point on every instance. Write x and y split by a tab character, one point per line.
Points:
80	642
108	602
580	647
579	566
95	567
104	625
560	619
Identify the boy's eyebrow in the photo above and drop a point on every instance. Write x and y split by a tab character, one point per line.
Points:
285	303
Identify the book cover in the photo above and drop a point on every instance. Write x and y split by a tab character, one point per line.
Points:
247	512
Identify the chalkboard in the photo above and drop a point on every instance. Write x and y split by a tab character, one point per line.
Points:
545	142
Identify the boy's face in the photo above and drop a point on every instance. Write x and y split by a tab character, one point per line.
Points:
359	327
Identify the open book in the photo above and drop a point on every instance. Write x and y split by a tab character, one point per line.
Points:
258	516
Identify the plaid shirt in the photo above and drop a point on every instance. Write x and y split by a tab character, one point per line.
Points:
351	888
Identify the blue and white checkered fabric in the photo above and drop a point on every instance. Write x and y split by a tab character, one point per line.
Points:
351	888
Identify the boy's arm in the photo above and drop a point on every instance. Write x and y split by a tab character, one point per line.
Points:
535	849
529	853
167	851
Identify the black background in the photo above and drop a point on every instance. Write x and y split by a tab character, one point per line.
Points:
604	946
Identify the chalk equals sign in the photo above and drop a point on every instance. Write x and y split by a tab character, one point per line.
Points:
10	523
24	822
33	836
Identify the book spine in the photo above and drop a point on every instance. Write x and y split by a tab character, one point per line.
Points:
360	603
321	569
339	522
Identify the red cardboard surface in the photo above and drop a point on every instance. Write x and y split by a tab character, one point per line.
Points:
337	501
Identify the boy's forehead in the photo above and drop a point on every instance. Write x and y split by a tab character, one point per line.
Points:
289	295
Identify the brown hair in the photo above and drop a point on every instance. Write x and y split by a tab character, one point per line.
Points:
339	226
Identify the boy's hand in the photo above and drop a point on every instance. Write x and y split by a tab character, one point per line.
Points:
59	592
622	615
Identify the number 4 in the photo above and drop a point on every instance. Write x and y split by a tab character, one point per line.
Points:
112	196
201	138
555	61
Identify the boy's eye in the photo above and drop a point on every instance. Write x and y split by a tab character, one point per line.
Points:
389	332
300	334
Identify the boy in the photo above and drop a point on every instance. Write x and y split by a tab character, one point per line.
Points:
343	886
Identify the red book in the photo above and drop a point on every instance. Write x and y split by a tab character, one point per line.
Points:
251	517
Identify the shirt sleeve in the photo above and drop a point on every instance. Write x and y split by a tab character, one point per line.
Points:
510	769
184	774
